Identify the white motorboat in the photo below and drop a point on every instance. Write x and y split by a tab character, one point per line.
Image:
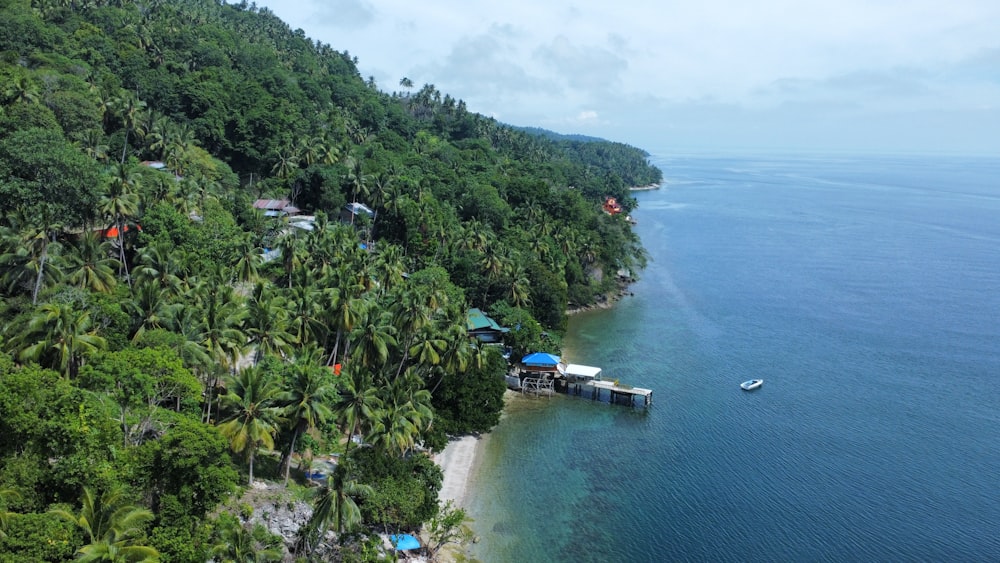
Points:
751	385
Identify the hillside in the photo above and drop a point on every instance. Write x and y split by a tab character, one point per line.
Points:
167	338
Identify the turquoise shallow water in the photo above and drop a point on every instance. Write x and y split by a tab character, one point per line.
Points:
865	292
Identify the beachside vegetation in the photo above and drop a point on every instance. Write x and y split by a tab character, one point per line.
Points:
166	344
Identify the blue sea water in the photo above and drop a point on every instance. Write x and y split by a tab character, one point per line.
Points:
864	291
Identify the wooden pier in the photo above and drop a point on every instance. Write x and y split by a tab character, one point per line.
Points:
620	394
576	380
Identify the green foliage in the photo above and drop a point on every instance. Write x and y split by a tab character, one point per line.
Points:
404	490
142	379
471	401
46	176
113	529
189	463
449	525
34	537
235	542
525	333
47	416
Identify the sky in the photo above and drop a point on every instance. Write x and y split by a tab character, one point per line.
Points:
889	76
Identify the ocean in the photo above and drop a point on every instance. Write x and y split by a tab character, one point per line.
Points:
864	291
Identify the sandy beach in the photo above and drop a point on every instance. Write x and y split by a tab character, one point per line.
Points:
461	457
458	461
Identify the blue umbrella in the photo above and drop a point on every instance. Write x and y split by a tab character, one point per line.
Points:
540	359
403	542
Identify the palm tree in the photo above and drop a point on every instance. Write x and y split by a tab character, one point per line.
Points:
286	162
30	259
290	247
266	323
89	266
236	544
248	265
252	398
329	152
411	313
150	307
112	527
389	267
520	287
335	505
60	336
91	142
428	347
162	262
405	413
345	311
120	204
374	335
305	398
184	322
357	178
130	109
176	148
358	404
305	302
22	90
220	328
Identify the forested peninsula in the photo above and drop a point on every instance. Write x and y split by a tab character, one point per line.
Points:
237	277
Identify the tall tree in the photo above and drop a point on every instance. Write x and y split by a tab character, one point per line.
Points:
307	394
30	261
130	109
60	336
358	405
252	401
335	505
89	264
120	204
404	414
266	323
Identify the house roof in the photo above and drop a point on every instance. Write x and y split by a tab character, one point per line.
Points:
475	320
357	208
276	205
540	359
580	371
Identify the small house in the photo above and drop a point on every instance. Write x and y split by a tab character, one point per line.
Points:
483	328
276	207
611	206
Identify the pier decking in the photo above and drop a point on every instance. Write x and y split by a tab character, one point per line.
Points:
620	393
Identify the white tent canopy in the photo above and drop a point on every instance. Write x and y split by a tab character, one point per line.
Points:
581	372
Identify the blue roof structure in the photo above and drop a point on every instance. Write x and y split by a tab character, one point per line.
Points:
541	359
403	542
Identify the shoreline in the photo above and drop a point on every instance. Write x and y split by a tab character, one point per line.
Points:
461	458
644	188
609	300
459	461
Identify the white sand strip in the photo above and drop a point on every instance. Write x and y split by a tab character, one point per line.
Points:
457	461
